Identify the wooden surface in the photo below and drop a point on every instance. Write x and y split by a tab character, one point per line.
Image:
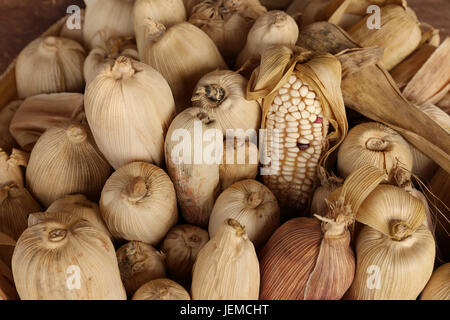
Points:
23	20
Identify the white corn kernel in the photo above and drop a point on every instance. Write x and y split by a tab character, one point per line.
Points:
297	85
285	97
311	95
277	101
309	102
304	91
283	91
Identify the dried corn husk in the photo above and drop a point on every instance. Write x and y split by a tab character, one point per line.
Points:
311	259
161	289
318	74
439	195
423	166
250	203
139	263
38	113
444	103
381	101
7	246
192	150
223	94
166	12
183	54
438	288
79	206
136	101
66	258
227	22
7	142
102	56
49	65
77	33
309	10
181	247
395	251
327	185
273	28
16	204
107	19
432	81
399	34
65	160
240	162
373	144
7	289
227	267
276	4
10	167
138	203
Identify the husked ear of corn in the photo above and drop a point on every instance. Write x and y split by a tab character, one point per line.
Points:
301	93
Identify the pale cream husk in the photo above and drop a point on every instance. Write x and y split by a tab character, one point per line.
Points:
65	160
373	144
438	288
227	267
16	203
139	263
250	203
161	289
7	142
41	112
10	167
138	203
50	65
395	251
227	22
181	247
273	28
135	100
60	246
79	206
183	54
107	19
167	12
192	165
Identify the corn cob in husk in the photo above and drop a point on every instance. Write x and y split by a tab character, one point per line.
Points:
301	98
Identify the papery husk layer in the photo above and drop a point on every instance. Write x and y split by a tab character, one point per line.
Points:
438	288
7	142
161	289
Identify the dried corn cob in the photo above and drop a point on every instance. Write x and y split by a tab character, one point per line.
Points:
301	98
297	130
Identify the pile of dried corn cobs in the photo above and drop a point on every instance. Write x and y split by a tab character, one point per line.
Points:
229	149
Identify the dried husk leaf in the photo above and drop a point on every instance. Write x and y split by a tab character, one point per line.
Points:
227	22
106	55
41	112
50	251
423	166
78	205
308	259
192	162
373	144
381	101
16	204
223	94
139	263
273	28
444	103
327	185
138	203
240	162
7	289
49	65
439	195
432	81
309	10
438	288
136	101
10	167
276	4
322	72
74	34
161	289
181	247
107	19
65	160
227	267
250	203
7	142
7	245
399	34
166	12
183	54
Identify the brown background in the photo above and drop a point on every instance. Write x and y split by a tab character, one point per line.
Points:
23	20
